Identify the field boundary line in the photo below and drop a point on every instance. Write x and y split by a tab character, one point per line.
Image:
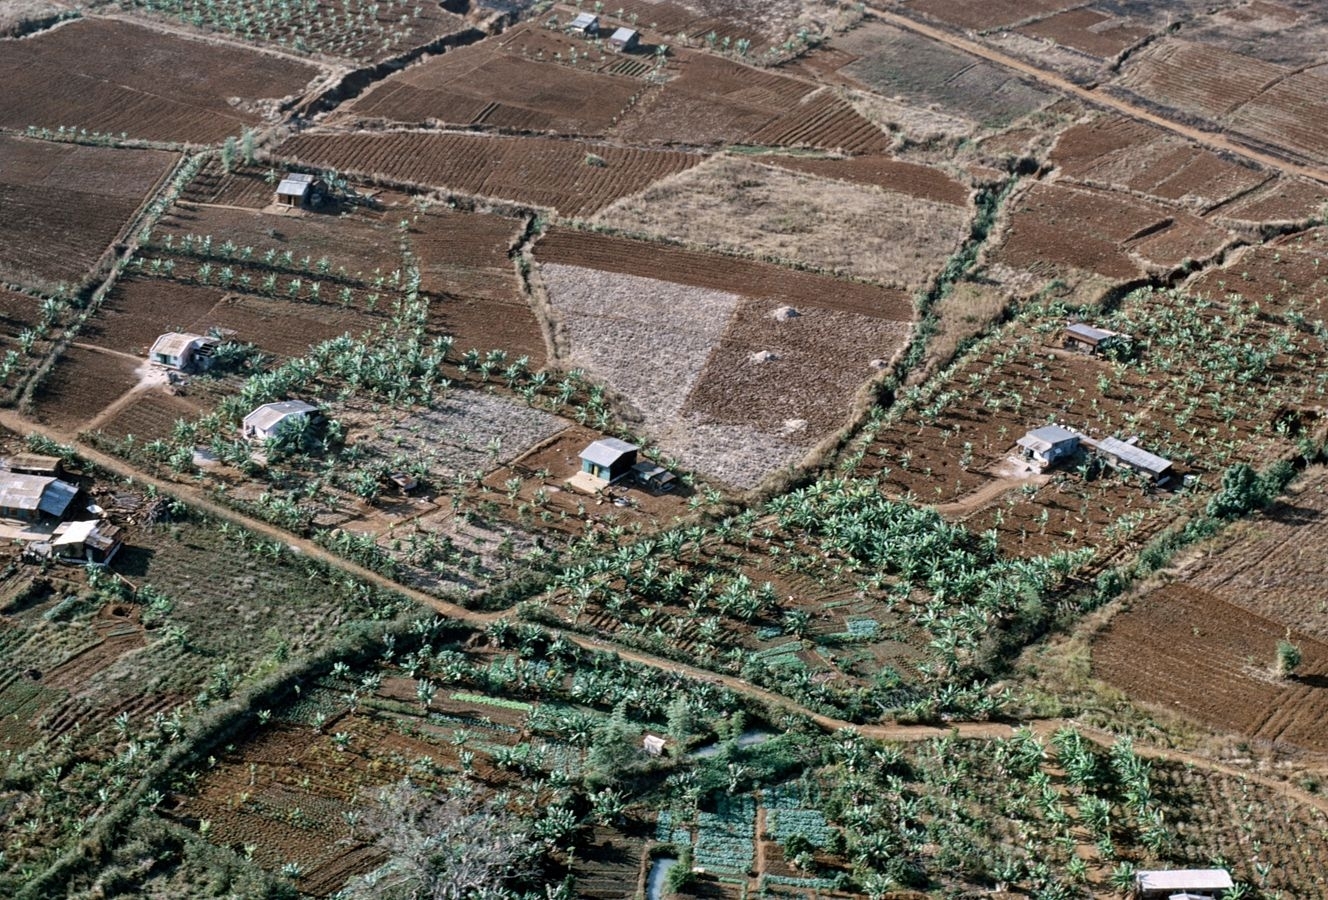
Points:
1211	140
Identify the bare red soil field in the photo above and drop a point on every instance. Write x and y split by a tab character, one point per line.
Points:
112	77
1126	153
1197	79
881	171
1115	235
537	171
465	254
280	327
1281	200
82	384
826	121
1185	650
722	273
981	15
151	416
511	82
17	311
484	325
1086	30
76	198
140	309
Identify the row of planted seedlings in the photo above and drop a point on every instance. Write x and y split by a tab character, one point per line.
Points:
520	717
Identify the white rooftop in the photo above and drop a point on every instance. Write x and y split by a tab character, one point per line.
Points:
623	35
295	184
1184	880
607	451
585	20
267	416
174	343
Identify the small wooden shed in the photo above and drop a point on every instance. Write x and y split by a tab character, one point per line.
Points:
586	24
299	189
609	459
625	40
1087	339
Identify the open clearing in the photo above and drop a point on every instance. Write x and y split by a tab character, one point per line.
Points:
741	205
111	77
77	198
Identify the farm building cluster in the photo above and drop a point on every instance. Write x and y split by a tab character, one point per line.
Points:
611	461
1051	445
51	517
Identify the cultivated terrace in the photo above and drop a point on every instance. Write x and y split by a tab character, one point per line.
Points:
663	449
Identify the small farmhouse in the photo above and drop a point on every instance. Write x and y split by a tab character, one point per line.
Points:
1170	883
1048	445
179	350
1087	339
584	24
608	460
33	464
624	40
1126	455
93	541
299	189
267	421
31	498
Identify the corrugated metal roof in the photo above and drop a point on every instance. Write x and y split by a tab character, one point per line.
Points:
1184	880
40	492
1089	333
73	533
1040	440
622	35
174	343
585	20
295	184
269	415
1133	456
607	451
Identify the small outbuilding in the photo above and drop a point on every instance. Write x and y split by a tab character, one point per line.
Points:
608	460
1093	341
31	498
268	421
33	464
625	40
1127	455
93	541
653	745
585	23
299	189
1170	883
1048	445
180	350
655	477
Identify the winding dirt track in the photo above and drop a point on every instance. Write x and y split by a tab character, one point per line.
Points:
1208	139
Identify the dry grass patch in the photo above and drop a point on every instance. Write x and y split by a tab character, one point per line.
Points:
647	339
736	203
964	313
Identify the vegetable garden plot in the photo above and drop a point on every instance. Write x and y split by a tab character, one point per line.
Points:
112	76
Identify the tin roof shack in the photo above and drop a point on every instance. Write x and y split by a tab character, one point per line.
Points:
33	464
608	460
586	24
1093	341
299	189
93	542
1048	445
269	420
179	350
1159	884
625	40
31	498
1126	455
655	477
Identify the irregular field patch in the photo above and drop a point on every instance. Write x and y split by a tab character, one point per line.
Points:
982	15
112	77
65	203
1186	650
741	205
562	175
82	384
1087	31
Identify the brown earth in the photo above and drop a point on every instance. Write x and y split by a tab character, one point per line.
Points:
112	76
82	384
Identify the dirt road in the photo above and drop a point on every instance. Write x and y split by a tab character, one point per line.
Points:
1208	139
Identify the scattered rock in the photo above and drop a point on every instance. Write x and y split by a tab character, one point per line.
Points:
785	313
879	365
764	356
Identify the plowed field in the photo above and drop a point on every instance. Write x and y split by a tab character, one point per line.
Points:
923	182
1087	31
1284	275
535	171
1203	81
983	15
114	77
722	273
1186	650
65	203
1125	153
82	384
1281	200
512	82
